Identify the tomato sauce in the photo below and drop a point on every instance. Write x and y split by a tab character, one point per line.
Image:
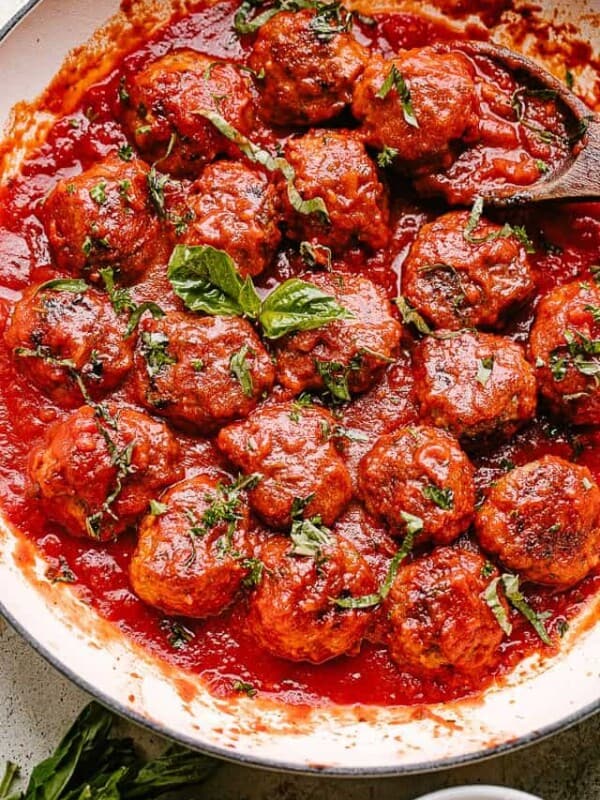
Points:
567	240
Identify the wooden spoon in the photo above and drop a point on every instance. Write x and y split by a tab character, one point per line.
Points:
577	178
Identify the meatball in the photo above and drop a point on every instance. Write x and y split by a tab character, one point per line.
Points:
564	345
347	355
235	209
161	108
334	166
474	384
189	558
292	449
104	217
438	617
543	521
200	372
59	336
309	64
422	472
292	613
417	103
455	283
95	473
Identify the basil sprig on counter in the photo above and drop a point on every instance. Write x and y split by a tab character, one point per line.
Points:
270	162
206	279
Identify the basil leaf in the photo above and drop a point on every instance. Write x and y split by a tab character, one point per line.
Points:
443	498
505	232
395	80
297	305
175	768
74	285
11	773
309	536
156	188
206	280
335	378
240	369
157	509
414	525
510	585
271	163
412	317
243	23
386	157
244	688
136	315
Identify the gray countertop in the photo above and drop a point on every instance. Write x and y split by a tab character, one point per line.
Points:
37	704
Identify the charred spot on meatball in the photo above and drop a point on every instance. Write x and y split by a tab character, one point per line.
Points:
292	612
95	473
235	209
334	166
163	109
200	372
348	355
438	616
421	472
292	448
542	520
418	105
455	282
104	217
60	337
474	384
192	556
564	344
308	65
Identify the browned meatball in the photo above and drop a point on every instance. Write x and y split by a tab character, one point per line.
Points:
334	166
455	283
292	449
474	384
161	106
350	353
420	471
200	372
565	349
439	619
96	477
293	614
308	66
104	217
57	335
543	521
417	103
236	209
189	558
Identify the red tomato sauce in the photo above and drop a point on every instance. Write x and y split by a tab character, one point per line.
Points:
567	240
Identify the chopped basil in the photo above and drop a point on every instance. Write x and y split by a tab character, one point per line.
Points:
594	311
154	349
351	434
207	280
386	157
505	232
271	163
443	498
74	285
157	509
330	20
244	688
412	317
240	369
178	635
335	377
484	370
315	255
542	166
510	585
487	570
569	79
122	460
122	301
156	187
98	193
244	22
94	243
395	80
61	574
256	571
136	315
587	483
122	90
414	525
309	537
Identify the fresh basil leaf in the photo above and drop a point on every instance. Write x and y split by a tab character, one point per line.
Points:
156	188
510	585
206	280
271	163
412	317
443	498
74	285
174	769
309	536
395	80
245	23
297	305
244	688
11	773
505	232
315	255
335	378
240	369
386	157
178	635
136	315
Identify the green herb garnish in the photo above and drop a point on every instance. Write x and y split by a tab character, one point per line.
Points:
240	369
510	585
395	80
442	498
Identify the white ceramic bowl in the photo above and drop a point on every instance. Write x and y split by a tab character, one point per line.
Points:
478	793
538	698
